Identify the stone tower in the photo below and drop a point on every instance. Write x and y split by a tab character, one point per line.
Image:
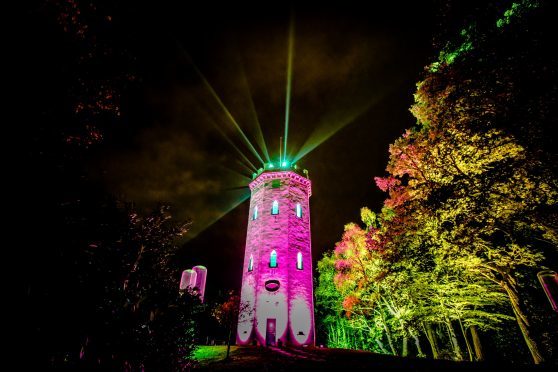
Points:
277	303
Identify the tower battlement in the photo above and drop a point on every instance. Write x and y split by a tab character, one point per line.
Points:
280	167
280	175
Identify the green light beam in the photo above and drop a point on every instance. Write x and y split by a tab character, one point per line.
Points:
227	113
326	130
341	117
253	112
251	167
221	104
197	228
289	84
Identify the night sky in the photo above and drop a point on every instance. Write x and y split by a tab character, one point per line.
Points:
354	73
355	67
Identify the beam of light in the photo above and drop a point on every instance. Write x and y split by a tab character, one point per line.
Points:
246	168
259	134
338	120
246	162
289	84
199	226
227	113
221	104
218	203
328	128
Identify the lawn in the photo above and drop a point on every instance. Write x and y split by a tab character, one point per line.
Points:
205	354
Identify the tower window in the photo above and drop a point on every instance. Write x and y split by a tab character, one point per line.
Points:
275	207
255	213
251	263
298	210
273	259
299	260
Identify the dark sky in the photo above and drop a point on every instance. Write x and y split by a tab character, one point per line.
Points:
354	72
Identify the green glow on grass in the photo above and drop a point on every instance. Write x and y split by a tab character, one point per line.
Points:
206	353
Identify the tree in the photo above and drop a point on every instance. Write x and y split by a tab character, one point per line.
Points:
473	191
227	313
480	196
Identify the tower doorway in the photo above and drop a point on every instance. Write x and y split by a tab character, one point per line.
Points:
270	337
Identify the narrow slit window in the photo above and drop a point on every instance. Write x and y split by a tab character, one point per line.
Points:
273	259
299	260
275	207
255	213
251	263
298	210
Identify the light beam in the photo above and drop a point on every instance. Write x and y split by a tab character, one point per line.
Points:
221	104
259	134
289	85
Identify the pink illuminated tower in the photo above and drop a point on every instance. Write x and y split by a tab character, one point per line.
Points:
277	302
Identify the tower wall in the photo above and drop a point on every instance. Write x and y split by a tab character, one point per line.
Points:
291	305
188	279
201	277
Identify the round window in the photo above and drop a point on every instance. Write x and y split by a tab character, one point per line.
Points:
272	285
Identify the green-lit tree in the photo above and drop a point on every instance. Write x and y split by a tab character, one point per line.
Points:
473	193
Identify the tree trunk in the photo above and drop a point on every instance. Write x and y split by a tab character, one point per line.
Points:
417	344
338	335
522	322
229	341
380	345
405	349
388	334
469	350
476	343
345	340
431	337
454	343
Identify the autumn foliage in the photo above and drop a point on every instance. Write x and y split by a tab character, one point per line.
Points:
470	213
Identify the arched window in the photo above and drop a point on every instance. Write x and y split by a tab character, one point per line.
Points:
275	207
299	261
255	213
251	263
273	259
298	210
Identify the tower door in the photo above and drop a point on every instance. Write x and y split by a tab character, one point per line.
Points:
270	339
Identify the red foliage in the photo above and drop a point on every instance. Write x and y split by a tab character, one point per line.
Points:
349	303
386	183
341	265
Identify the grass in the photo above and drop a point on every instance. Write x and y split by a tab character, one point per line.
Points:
205	354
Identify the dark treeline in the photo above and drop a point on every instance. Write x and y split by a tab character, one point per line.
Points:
101	284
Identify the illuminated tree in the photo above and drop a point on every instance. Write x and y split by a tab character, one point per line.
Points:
481	198
473	195
227	312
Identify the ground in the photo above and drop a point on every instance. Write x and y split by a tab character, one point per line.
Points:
289	359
